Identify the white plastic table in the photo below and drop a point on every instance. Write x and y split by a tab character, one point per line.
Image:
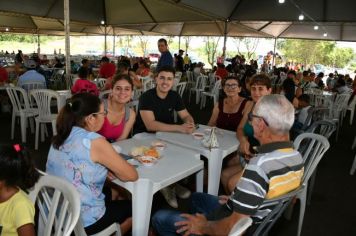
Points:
175	164
228	143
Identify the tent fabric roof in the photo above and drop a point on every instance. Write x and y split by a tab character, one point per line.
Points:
254	18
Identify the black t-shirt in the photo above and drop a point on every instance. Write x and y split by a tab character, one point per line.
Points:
162	108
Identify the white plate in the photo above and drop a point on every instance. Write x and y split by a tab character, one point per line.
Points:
133	162
147	160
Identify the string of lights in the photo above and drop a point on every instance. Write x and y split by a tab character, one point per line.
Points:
303	14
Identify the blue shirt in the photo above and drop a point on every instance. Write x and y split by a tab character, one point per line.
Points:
72	162
165	59
31	76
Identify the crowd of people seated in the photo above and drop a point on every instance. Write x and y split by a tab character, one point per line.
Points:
81	152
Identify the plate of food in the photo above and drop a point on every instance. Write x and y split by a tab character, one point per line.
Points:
145	151
147	160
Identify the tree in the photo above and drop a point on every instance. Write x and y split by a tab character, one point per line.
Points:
211	45
143	44
249	44
311	52
187	40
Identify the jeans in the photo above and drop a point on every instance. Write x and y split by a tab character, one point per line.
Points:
163	221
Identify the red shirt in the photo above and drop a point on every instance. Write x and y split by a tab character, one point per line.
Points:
83	85
222	73
4	76
107	70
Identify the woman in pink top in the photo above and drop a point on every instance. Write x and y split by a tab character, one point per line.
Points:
120	119
82	85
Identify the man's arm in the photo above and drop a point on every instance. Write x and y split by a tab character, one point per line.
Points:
198	224
151	124
185	116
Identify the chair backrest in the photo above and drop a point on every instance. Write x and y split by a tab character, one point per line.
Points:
104	94
101	83
312	147
43	98
181	88
216	87
28	86
148	84
133	105
240	226
341	101
323	127
59	206
276	206
178	75
352	104
17	95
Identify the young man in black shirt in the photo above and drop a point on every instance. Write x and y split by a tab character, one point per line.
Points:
156	113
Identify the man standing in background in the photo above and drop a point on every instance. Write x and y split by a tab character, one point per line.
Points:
166	58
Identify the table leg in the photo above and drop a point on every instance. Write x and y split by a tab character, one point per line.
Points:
141	207
214	171
200	180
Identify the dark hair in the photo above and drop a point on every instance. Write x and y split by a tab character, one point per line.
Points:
73	114
166	68
122	65
292	72
340	81
84	61
321	75
83	72
105	59
289	89
119	77
261	79
305	73
230	78
17	167
162	40
305	98
143	62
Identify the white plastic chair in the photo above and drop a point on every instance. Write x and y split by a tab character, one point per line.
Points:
43	98
353	167
104	94
59	206
199	88
113	228
148	84
214	93
351	108
181	88
240	227
312	148
22	110
101	83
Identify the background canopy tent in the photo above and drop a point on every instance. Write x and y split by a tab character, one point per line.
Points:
256	18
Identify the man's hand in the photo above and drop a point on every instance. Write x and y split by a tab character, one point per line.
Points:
187	128
111	176
195	224
223	199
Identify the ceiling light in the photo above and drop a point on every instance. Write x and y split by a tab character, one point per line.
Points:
325	35
301	17
316	27
102	22
281	1
7	29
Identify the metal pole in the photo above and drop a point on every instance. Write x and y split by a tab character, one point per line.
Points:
105	46
179	43
38	45
225	38
113	44
67	36
274	52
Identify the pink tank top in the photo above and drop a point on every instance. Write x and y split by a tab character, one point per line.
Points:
110	131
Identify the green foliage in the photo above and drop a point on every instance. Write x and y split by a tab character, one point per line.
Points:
311	52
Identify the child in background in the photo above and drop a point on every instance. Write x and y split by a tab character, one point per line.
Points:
17	172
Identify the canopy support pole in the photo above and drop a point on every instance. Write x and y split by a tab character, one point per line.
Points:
179	42
113	43
38	44
225	39
105	45
274	52
67	36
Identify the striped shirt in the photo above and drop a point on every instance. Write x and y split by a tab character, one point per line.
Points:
276	170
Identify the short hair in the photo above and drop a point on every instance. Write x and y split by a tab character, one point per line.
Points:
320	75
305	98
83	72
84	61
292	72
230	78
261	79
277	111
122	65
105	59
305	73
166	68
162	40
119	77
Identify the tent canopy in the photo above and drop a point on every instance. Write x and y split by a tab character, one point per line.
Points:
254	18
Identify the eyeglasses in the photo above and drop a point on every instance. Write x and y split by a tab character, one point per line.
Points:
251	116
105	112
231	86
